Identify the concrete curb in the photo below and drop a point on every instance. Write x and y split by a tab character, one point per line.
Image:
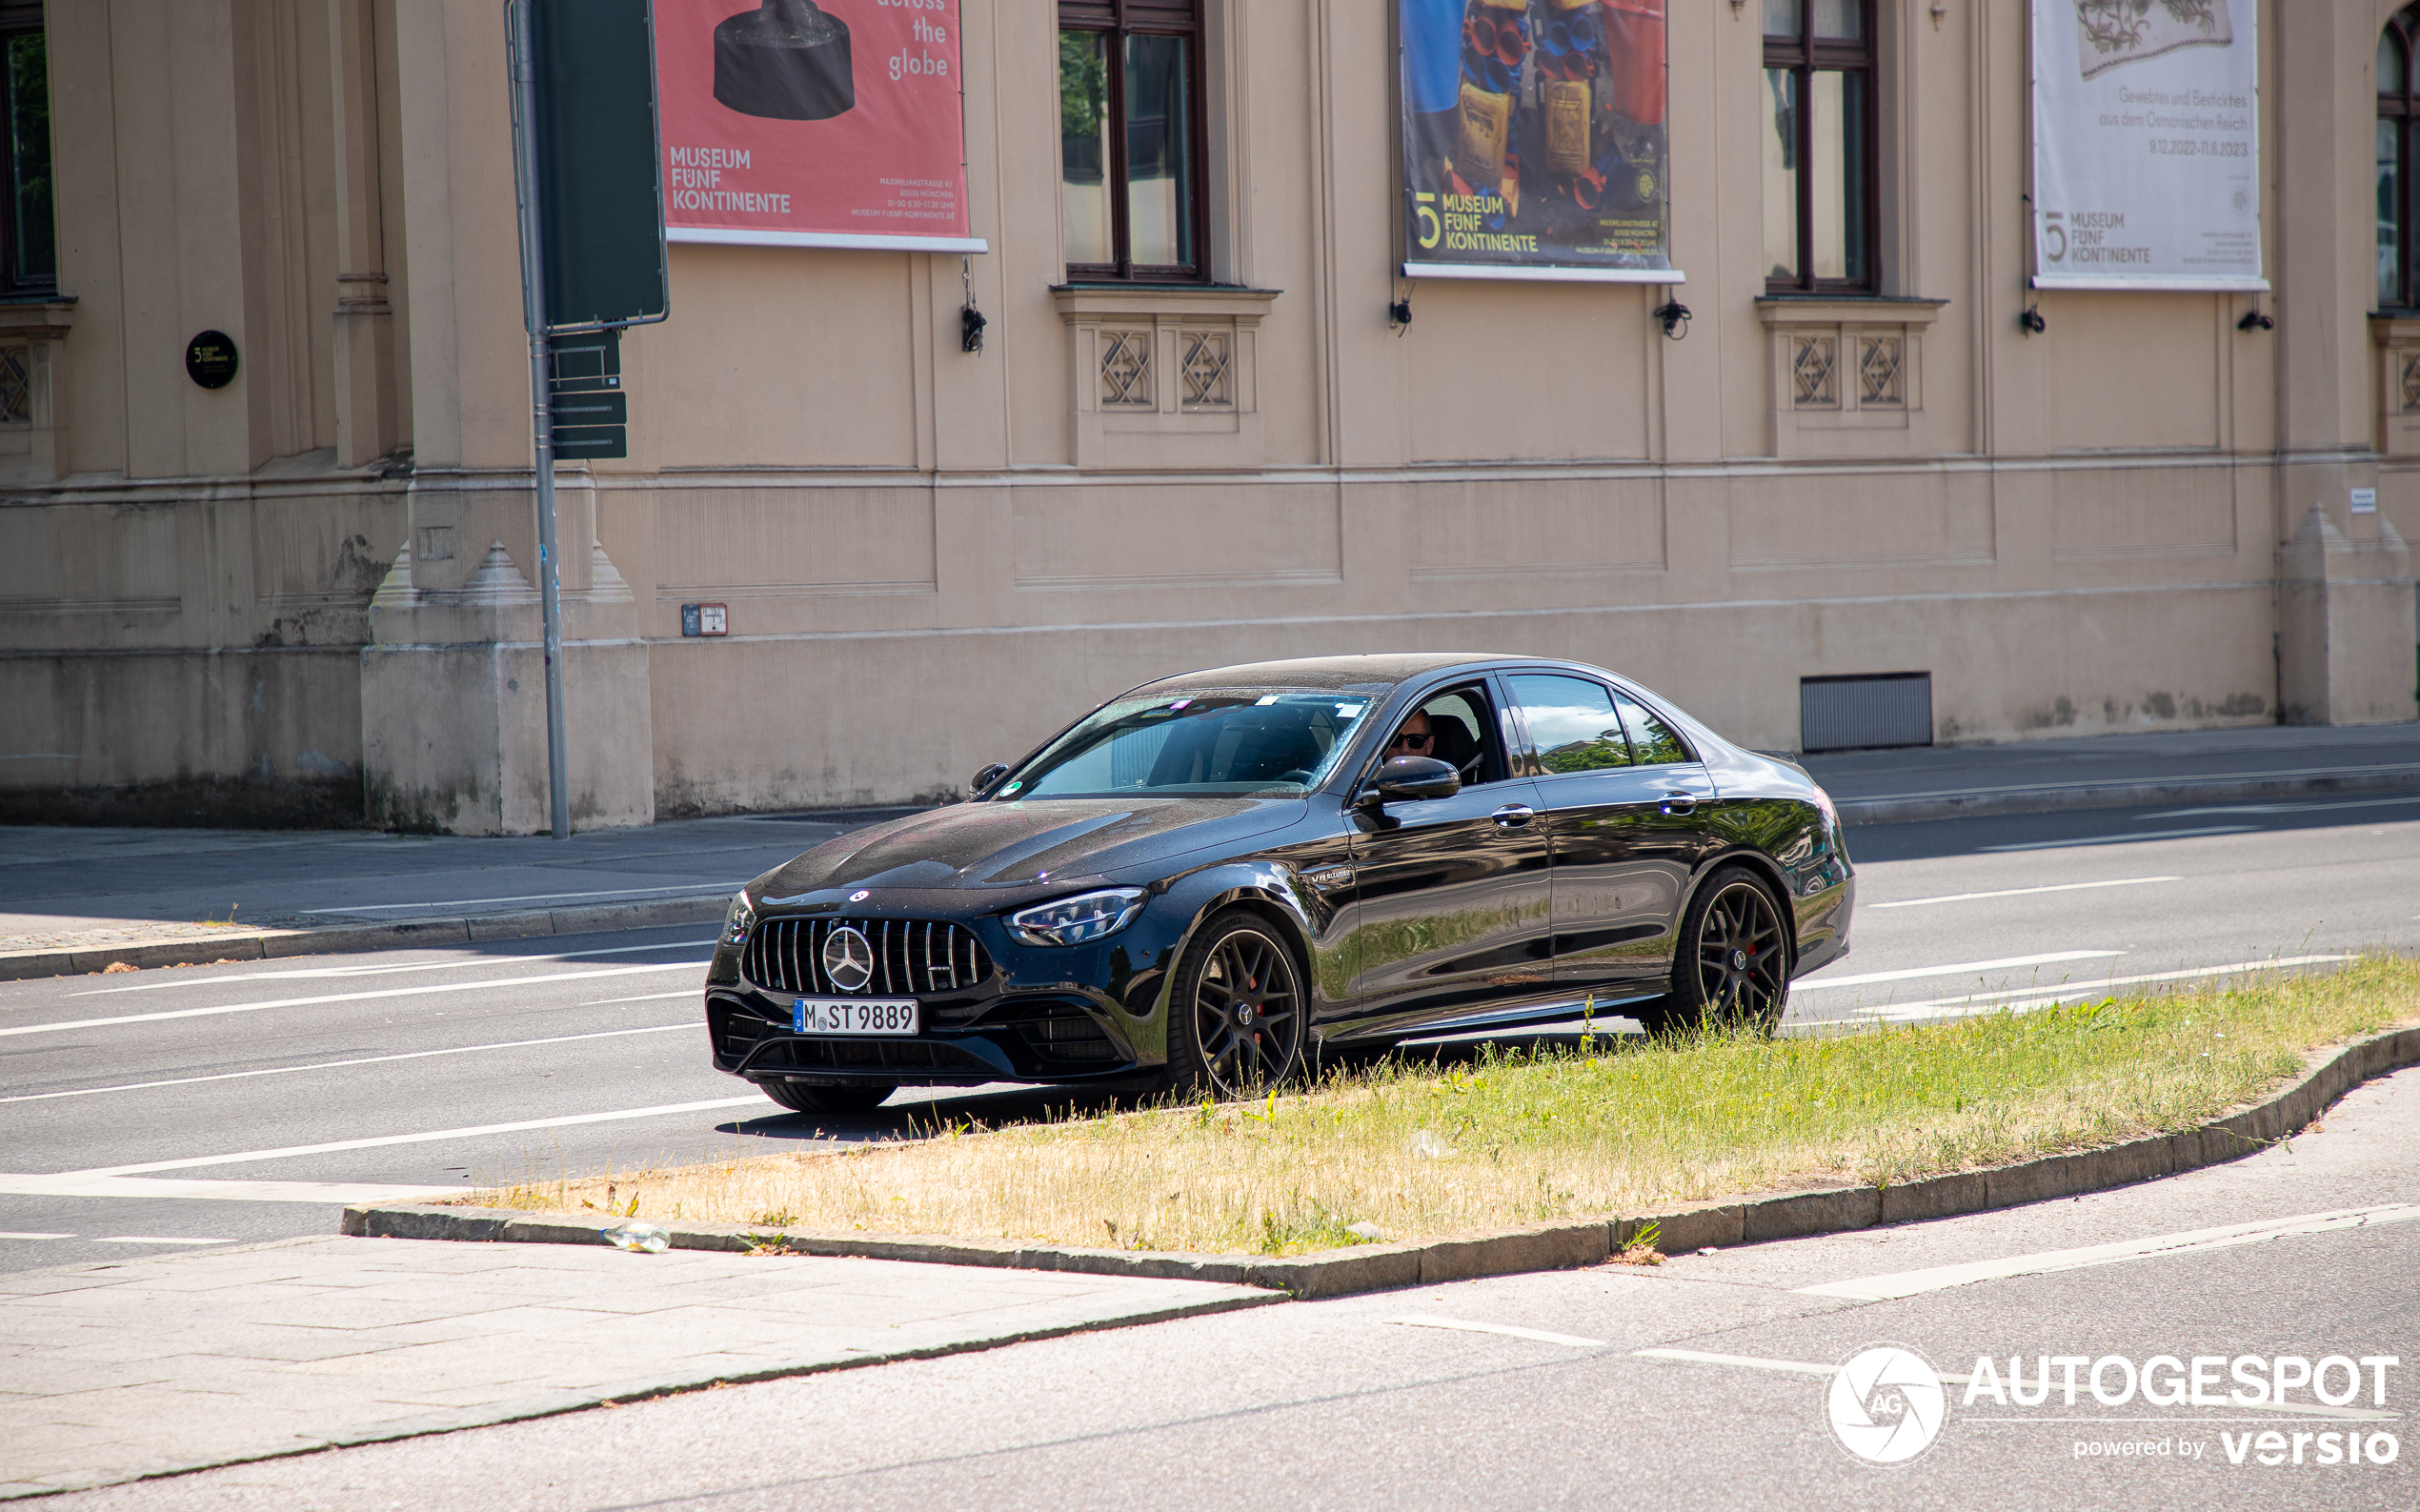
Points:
1548	1246
418	934
1975	803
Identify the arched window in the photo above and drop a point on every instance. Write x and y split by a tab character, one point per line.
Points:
2398	120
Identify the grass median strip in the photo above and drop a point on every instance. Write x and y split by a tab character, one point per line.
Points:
1410	1150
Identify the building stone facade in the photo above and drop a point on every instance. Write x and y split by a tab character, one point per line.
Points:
309	595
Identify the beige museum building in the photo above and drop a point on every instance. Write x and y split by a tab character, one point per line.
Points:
307	596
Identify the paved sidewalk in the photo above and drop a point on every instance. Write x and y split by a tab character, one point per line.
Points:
78	899
75	899
175	1362
2118	770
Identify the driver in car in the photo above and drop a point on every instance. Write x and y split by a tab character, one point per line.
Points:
1414	738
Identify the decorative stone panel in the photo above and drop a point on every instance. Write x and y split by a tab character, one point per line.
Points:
33	424
2396	339
1844	365
1163	377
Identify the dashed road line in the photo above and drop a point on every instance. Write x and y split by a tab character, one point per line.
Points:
2118	840
363	1061
352	996
1932	1279
1955	968
2021	998
1465	1326
2020	891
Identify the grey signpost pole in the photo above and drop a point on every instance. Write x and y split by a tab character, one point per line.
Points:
533	315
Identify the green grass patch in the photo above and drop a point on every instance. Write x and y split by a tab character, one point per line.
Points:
1405	1150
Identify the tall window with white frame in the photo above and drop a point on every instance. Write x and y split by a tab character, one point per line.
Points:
1131	140
1820	226
2398	121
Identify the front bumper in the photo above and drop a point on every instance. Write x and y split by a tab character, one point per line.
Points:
1072	1014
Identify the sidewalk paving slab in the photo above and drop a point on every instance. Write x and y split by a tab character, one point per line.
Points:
117	1372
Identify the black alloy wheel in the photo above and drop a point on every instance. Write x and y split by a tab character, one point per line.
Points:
799	1097
1239	1011
1732	970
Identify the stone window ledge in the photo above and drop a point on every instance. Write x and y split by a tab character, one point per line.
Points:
1091	303
1820	310
37	319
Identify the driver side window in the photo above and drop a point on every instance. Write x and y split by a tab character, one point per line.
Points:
1464	732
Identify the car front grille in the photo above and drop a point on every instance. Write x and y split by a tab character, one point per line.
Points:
911	956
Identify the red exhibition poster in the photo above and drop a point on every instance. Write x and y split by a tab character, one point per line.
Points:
813	122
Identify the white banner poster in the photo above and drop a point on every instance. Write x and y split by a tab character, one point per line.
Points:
2146	145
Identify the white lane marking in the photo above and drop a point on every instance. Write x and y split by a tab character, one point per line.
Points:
660	997
1807	1367
2020	891
1937	1277
2114	839
1464	1325
364	1060
1699	1356
36	1235
474	1131
699	888
334	1194
2019	1000
2281	808
153	1239
323	973
350	996
1960	969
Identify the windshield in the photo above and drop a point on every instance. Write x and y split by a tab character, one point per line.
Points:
1224	742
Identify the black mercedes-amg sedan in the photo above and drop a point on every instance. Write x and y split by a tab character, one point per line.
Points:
1206	882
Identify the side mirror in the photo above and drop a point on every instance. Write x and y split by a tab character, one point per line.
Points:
981	781
1409	780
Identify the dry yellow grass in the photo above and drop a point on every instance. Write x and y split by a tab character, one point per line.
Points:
1407	1152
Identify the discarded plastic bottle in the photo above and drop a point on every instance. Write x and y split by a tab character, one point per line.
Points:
636	1237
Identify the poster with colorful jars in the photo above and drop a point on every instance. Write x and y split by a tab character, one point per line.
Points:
1534	139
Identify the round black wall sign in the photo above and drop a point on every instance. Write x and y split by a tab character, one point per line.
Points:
210	359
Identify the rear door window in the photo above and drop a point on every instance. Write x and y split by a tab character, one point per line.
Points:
1572	723
1651	737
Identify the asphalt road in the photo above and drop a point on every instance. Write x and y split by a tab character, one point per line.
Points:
127	1103
1703	1382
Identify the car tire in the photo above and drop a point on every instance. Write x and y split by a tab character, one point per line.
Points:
1730	968
799	1097
1239	1017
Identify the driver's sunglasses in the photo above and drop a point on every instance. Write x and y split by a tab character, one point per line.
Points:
1415	740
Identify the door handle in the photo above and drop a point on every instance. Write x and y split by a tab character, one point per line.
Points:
1513	816
1679	805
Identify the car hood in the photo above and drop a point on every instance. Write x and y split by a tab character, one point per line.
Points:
1019	844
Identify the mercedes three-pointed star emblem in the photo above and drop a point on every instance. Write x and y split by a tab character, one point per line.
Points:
848	960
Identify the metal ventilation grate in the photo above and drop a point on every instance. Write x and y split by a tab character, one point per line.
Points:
1849	714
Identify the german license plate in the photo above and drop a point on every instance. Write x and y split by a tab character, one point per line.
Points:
852	1016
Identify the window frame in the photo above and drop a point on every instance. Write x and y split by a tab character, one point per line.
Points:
2403	30
1116	20
18	18
1804	56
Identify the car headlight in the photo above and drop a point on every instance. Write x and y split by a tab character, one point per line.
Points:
1074	921
739	920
